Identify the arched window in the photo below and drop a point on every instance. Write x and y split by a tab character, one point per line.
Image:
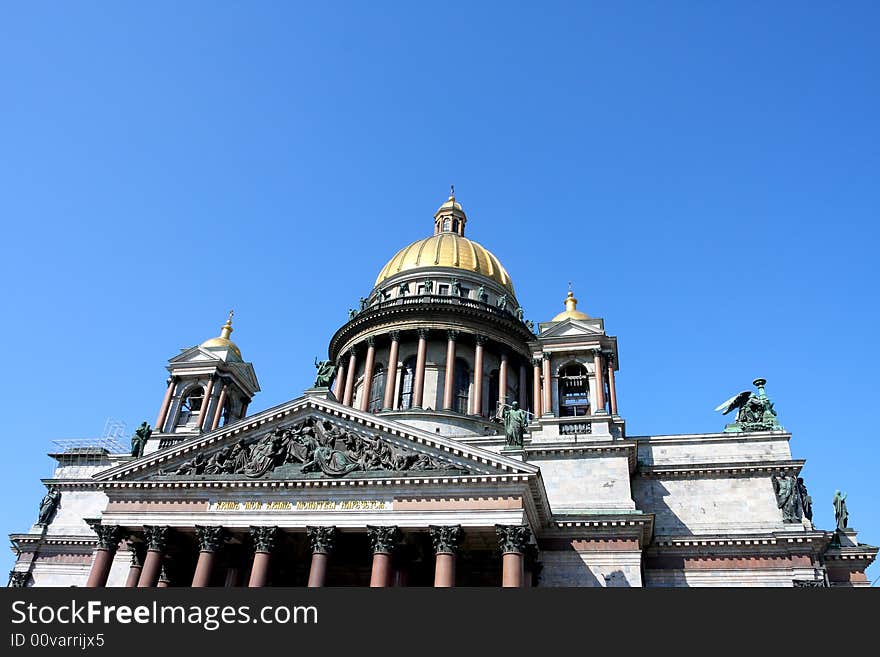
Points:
462	383
447	224
407	378
191	407
574	391
377	390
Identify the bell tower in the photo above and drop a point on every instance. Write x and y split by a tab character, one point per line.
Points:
209	386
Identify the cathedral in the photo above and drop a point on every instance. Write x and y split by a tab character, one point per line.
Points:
446	441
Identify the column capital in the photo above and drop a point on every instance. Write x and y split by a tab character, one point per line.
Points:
264	538
546	355
394	335
322	539
156	537
609	357
446	538
481	339
18	579
108	535
513	538
371	341
536	362
452	335
383	540
211	537
423	333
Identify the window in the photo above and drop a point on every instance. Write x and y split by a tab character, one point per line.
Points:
462	377
407	378
377	390
574	391
443	289
447	224
493	393
191	407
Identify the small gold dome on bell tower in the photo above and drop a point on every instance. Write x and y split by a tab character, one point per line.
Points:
571	311
223	341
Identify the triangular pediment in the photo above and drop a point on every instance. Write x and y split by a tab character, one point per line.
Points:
314	438
572	327
195	355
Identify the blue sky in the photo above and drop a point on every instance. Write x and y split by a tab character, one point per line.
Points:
705	174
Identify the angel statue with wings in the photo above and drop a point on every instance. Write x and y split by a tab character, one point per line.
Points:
754	412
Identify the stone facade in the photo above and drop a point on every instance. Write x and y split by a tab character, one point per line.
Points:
414	481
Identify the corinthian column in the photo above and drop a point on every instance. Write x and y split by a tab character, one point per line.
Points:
449	383
600	382
612	389
391	379
264	542
163	411
446	543
536	386
108	540
547	406
138	554
368	373
512	539
383	540
349	377
210	541
477	403
502	379
218	414
339	382
322	540
419	383
157	540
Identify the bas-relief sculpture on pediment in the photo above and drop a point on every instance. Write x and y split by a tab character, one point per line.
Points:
312	448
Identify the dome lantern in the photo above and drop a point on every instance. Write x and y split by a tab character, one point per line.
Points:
450	217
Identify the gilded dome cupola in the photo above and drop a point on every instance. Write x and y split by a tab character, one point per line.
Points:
448	247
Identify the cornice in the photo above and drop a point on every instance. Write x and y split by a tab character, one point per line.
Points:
720	469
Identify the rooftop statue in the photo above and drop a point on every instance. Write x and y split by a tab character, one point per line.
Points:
841	515
755	412
456	287
140	438
351	313
502	302
515	421
403	290
788	498
326	369
481	294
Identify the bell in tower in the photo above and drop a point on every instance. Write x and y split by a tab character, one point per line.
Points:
209	386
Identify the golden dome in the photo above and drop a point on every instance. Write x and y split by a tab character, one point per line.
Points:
223	341
571	311
447	249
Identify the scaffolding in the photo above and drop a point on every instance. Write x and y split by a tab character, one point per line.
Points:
74	453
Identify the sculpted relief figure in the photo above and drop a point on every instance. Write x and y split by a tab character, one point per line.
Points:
315	445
